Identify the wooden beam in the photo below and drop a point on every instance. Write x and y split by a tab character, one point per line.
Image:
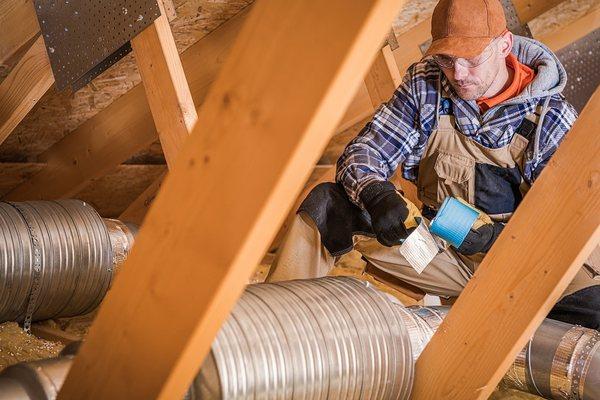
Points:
379	80
360	108
125	127
232	185
522	276
137	210
167	90
54	334
573	31
19	26
530	9
408	51
29	80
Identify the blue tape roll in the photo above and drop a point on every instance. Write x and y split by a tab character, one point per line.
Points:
453	221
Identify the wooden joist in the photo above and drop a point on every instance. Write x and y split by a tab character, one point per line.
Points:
54	334
573	31
125	127
522	276
205	233
169	98
167	90
19	26
530	9
137	210
28	81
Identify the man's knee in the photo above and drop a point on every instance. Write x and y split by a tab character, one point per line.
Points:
580	308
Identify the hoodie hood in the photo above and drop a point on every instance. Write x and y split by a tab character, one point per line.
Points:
550	77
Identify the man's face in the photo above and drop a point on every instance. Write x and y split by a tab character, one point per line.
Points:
472	83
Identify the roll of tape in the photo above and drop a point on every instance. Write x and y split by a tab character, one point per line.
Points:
453	221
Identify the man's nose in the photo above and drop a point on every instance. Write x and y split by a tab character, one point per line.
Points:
460	71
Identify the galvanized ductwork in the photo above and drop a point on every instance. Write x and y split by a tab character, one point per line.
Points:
561	361
340	338
328	338
57	258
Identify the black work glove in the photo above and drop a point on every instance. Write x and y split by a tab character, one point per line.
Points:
388	211
481	239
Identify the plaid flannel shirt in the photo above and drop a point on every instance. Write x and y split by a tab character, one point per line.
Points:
399	130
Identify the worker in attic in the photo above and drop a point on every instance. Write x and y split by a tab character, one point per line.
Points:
473	124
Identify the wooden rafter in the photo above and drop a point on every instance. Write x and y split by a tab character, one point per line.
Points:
573	31
137	210
200	241
19	26
125	127
167	90
522	276
169	98
28	81
530	9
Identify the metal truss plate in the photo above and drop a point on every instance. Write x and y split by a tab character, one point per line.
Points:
513	23
81	34
580	59
103	66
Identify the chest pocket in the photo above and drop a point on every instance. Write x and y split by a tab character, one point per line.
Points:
456	177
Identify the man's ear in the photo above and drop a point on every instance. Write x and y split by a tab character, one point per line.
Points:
506	43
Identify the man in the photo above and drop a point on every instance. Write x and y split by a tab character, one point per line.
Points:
478	118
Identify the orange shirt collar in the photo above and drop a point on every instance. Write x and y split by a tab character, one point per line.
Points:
523	75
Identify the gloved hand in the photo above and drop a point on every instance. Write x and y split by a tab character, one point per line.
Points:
480	240
392	216
482	235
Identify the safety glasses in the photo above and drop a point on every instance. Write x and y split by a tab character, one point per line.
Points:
448	62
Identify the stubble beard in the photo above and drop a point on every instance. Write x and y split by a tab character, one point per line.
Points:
474	92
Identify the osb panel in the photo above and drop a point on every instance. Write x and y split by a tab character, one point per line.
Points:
111	194
57	114
561	15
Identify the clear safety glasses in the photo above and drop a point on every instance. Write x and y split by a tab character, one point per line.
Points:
445	61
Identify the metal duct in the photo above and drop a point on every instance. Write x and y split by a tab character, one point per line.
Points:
560	362
56	259
328	338
340	338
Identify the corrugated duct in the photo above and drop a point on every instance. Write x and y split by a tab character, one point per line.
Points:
57	258
339	338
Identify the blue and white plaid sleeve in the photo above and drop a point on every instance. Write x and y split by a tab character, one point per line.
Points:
382	144
557	122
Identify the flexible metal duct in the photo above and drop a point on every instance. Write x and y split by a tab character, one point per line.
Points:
339	338
562	361
329	338
56	259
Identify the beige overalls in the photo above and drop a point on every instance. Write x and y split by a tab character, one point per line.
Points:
447	168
